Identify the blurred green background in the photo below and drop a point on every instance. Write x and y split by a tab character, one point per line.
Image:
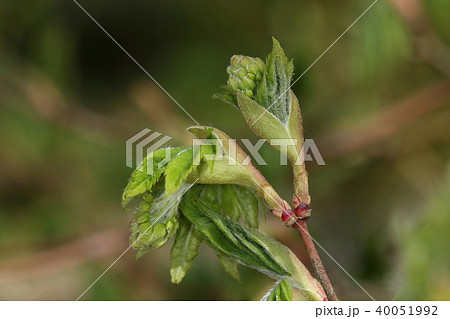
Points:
377	106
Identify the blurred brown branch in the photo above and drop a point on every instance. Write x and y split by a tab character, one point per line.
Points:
429	47
50	103
48	262
160	110
384	125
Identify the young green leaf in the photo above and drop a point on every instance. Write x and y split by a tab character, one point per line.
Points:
230	266
247	246
184	249
234	201
282	291
268	127
240	202
148	173
178	169
227	237
285	138
183	163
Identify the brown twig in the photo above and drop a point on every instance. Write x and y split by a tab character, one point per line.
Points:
301	202
302	228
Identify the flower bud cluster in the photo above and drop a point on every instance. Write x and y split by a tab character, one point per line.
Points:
244	73
146	233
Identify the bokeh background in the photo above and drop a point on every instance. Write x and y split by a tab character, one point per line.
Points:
377	106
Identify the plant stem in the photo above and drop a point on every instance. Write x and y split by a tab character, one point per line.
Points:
302	228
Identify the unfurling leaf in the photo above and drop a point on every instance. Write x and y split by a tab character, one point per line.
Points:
282	291
247	246
227	237
214	213
162	179
230	266
184	249
240	202
149	172
178	169
268	127
267	84
234	201
183	164
274	92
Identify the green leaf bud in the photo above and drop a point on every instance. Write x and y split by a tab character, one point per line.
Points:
248	93
233	83
155	223
255	68
235	61
240	72
143	227
251	76
159	230
140	219
247	83
147	198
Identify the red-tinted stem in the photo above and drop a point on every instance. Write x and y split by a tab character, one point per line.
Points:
302	228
